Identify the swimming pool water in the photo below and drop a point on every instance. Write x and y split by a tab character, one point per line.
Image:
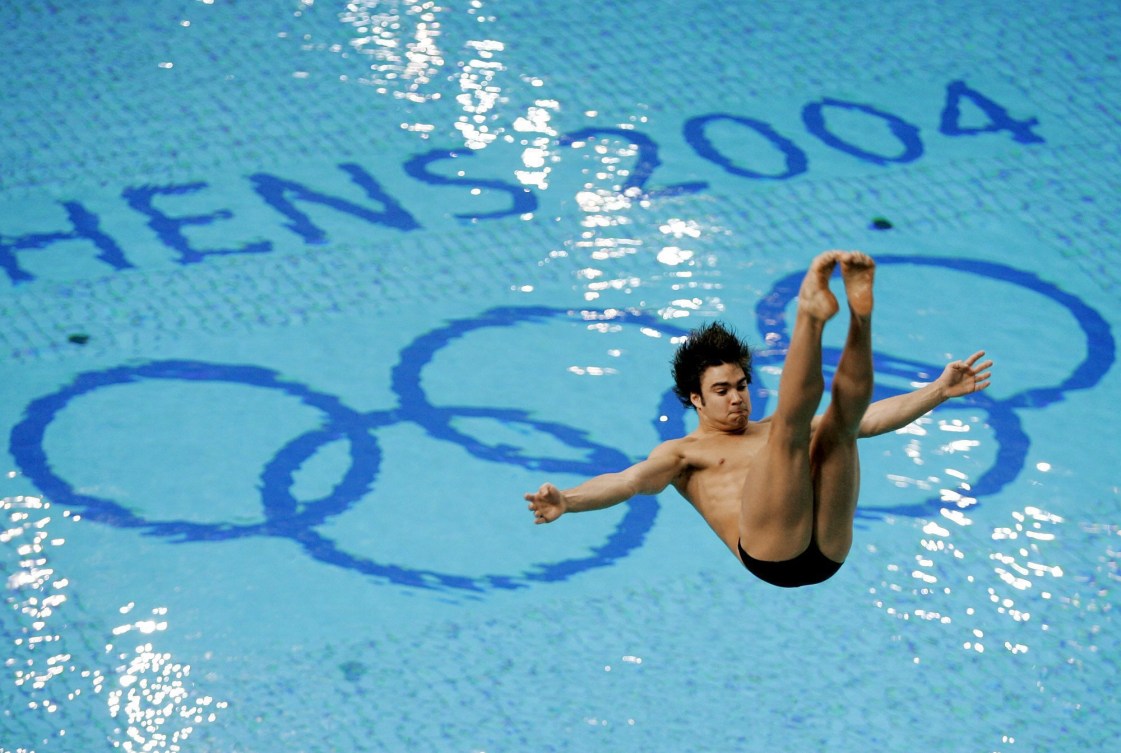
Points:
300	297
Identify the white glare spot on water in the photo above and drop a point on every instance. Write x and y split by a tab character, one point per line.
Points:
398	42
479	92
933	529
680	308
957	516
592	370
60	676
672	256
681	228
539	152
986	589
600	201
154	698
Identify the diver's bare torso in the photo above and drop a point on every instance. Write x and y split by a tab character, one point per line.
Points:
716	465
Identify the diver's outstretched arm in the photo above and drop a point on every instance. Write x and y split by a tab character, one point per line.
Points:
958	378
649	476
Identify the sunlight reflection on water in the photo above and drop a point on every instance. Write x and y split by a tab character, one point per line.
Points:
58	672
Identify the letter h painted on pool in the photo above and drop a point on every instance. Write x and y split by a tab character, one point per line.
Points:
84	224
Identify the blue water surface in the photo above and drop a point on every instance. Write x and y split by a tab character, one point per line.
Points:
298	298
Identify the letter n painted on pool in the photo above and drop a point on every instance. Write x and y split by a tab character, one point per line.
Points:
84	224
524	200
170	229
280	193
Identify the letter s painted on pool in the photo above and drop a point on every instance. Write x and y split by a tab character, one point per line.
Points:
524	200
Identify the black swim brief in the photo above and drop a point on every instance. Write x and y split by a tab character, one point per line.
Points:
808	568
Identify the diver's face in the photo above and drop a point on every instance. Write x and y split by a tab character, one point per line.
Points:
723	401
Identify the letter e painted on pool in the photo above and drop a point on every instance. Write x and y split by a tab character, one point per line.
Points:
170	229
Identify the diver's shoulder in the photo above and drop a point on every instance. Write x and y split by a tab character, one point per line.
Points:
676	446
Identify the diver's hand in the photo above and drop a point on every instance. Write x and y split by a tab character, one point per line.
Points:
965	377
547	504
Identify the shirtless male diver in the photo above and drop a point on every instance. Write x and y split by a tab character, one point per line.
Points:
781	493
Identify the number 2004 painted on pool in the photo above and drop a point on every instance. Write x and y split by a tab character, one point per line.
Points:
813	117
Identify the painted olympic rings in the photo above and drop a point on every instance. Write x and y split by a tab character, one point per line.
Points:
297	520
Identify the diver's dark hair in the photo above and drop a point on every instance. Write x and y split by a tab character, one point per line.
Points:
707	345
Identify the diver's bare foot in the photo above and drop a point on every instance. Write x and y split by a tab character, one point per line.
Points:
858	271
815	299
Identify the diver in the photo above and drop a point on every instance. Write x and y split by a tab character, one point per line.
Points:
781	493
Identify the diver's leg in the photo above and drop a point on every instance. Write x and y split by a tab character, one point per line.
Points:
833	453
777	508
